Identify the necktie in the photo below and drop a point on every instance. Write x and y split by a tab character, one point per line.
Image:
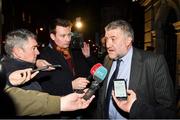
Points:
110	87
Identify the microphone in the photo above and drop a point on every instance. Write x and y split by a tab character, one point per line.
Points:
99	73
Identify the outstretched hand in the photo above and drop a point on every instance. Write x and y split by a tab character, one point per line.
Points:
20	77
86	50
74	101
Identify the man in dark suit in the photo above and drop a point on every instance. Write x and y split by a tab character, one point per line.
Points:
149	85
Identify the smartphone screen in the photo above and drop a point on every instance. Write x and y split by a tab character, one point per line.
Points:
120	89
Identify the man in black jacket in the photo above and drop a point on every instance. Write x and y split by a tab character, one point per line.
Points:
21	49
75	69
74	66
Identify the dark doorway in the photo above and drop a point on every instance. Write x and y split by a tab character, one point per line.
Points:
170	45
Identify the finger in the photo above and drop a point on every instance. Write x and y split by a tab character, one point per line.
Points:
43	63
130	92
85	44
81	87
22	78
28	76
115	98
87	81
80	95
113	95
86	103
34	74
83	84
85	90
92	97
84	80
51	68
23	75
46	63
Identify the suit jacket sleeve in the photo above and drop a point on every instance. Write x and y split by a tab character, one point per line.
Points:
33	103
164	97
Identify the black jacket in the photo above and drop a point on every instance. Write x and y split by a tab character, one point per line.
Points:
55	82
12	65
59	82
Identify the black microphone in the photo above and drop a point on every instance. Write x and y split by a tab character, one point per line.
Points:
99	73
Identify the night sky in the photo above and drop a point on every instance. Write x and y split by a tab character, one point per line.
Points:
95	14
42	11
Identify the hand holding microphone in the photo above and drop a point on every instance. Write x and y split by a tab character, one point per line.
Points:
79	84
99	73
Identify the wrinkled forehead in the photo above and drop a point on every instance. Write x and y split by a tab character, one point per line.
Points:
113	32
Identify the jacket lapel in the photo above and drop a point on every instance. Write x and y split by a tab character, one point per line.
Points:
136	69
107	65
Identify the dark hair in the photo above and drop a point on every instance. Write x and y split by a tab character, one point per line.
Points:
58	22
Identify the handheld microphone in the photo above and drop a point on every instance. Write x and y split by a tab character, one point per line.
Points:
99	73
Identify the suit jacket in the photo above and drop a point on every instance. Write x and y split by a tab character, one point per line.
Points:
150	80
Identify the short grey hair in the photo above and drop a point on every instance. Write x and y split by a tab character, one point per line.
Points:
17	38
123	25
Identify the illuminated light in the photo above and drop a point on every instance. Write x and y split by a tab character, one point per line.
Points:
78	23
41	29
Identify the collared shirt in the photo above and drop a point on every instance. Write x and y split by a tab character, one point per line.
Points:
124	73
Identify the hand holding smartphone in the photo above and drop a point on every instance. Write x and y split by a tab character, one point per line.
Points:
120	89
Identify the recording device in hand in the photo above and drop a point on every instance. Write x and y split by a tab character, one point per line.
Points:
120	89
46	67
76	41
99	73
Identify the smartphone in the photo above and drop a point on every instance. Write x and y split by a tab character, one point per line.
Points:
46	67
120	89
